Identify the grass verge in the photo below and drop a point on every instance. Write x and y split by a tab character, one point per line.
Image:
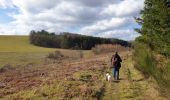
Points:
145	61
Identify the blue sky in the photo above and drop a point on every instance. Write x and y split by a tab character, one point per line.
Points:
4	15
102	18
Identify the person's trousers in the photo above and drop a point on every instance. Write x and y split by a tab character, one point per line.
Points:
115	72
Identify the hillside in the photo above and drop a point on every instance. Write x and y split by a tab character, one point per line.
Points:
16	50
19	44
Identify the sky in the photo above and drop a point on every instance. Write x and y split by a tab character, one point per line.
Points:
101	18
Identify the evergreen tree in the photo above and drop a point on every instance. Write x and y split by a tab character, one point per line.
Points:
155	23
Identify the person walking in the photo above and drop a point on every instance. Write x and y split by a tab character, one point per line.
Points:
116	63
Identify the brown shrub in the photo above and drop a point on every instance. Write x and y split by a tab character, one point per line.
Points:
57	55
106	48
6	67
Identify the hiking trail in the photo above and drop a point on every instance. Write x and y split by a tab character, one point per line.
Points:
132	85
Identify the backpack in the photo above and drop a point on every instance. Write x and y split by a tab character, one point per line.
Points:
114	61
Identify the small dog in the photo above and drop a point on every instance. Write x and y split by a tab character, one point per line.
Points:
108	77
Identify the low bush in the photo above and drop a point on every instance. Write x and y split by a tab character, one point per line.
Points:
57	55
6	67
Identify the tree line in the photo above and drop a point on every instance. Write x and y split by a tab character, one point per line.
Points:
68	40
152	48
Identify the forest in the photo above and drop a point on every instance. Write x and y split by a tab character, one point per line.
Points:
68	40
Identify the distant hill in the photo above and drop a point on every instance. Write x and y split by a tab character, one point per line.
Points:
68	40
19	44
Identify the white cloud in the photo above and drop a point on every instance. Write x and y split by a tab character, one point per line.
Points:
91	17
105	25
5	3
125	8
125	34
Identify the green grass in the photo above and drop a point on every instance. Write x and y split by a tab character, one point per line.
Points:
19	44
16	50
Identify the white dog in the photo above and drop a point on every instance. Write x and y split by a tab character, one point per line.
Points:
108	77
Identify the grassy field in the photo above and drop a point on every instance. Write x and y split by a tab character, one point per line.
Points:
19	44
16	50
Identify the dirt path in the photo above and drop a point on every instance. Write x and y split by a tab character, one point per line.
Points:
132	86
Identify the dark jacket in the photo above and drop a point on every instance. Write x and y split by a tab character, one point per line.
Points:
118	61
